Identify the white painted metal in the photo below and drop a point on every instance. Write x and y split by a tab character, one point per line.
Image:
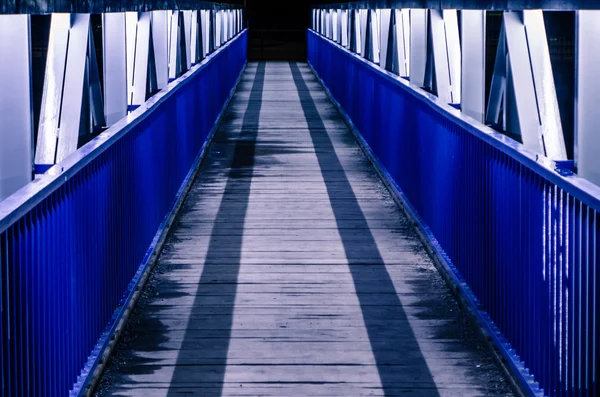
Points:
526	120
52	91
327	23
541	68
498	86
440	56
364	19
175	46
418	46
386	40
233	24
196	43
453	53
374	36
344	27
205	27
473	63
402	42
352	31
222	28
186	40
225	26
131	20
115	66
16	119
95	91
74	119
218	29
335	26
139	82
160	40
587	95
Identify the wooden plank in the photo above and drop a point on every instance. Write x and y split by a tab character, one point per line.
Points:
290	271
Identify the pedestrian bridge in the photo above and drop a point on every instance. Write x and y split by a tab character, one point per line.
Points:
319	228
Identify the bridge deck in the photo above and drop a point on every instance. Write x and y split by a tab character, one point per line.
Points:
290	271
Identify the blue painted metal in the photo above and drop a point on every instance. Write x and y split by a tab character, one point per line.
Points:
75	242
517	234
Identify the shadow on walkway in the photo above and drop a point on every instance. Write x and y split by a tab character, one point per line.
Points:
395	348
220	275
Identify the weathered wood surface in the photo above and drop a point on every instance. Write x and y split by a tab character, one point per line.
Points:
291	272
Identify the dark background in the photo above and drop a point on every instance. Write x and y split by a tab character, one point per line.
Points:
278	28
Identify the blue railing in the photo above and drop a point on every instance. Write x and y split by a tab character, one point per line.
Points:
75	243
517	234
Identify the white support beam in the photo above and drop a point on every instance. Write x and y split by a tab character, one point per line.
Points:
74	117
473	63
454	53
225	26
351	31
386	39
16	119
440	56
344	27
374	36
186	40
115	66
195	37
175	55
140	58
232	24
418	46
222	28
364	20
335	25
541	68
160	40
95	90
218	28
587	95
54	77
72	102
498	86
446	54
402	42
526	120
205	27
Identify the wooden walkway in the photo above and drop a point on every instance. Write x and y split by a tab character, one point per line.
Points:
290	271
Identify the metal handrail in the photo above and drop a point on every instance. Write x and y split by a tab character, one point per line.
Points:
585	190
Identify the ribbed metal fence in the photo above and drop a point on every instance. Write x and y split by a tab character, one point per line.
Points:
73	245
519	234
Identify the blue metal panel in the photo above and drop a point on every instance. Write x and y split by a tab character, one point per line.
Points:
75	243
517	234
